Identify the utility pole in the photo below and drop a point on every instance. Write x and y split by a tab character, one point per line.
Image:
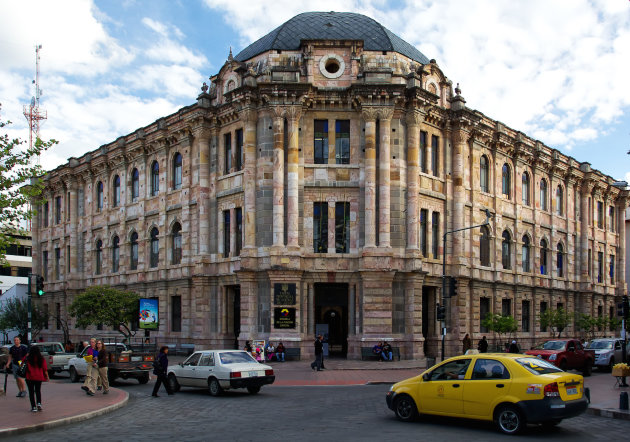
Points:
446	296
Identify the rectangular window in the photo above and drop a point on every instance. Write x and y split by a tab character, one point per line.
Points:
600	214
342	141
58	315
68	207
80	202
435	234
45	264
176	313
68	260
320	227
45	214
342	227
239	154
226	233
525	316
423	151
424	214
543	309
506	307
588	264
612	269
227	149
600	266
435	155
484	309
238	241
57	210
320	142
611	218
57	263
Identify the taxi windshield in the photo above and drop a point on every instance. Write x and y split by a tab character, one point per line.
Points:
538	366
601	345
554	345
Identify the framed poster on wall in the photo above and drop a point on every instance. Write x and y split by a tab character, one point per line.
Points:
284	317
149	318
284	294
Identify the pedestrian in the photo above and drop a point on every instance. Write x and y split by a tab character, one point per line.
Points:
280	352
36	373
467	343
388	354
319	354
16	354
102	362
91	376
514	347
160	367
377	350
248	347
483	345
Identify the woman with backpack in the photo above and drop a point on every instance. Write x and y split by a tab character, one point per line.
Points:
160	367
36	373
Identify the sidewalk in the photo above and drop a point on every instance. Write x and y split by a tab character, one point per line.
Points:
63	403
605	396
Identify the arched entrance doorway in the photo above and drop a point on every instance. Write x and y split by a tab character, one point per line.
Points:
331	316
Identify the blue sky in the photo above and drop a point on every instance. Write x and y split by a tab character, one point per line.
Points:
555	70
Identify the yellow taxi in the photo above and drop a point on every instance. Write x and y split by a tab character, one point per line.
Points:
509	389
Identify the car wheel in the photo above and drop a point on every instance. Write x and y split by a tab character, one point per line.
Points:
611	364
253	390
588	369
405	408
563	365
172	381
214	388
143	379
551	423
74	377
509	419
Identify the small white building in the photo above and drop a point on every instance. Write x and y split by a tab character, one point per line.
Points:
18	291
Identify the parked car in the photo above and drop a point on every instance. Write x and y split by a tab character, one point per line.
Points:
509	389
566	354
219	370
608	351
123	363
55	355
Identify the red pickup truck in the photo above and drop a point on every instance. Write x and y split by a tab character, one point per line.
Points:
566	354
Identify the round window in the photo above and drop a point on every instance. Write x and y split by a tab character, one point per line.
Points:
332	66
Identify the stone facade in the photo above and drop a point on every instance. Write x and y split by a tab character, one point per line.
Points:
258	204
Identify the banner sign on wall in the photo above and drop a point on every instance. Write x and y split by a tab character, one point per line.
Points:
284	294
149	313
283	317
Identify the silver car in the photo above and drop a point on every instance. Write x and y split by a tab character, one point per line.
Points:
219	370
607	352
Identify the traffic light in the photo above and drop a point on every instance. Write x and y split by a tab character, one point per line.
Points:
452	286
39	285
441	312
623	308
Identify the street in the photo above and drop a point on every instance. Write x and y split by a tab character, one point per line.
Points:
352	413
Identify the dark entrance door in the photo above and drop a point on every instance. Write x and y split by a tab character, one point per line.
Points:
234	312
428	320
331	308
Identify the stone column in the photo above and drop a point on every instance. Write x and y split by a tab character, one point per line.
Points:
331	227
459	134
413	151
369	116
249	117
232	231
413	316
278	177
585	192
352	310
293	114
384	215
72	272
201	144
621	246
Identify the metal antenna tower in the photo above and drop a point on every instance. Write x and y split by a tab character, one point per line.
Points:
34	115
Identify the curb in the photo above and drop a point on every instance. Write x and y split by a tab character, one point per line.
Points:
609	413
66	420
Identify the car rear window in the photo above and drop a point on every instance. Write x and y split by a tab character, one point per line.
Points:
235	358
538	366
554	345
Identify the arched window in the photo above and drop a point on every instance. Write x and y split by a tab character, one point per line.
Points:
506	252
525	254
543	194
543	257
506	180
116	191
135	184
525	189
99	196
484	246
115	254
134	251
177	244
99	256
155	248
483	173
560	261
559	201
155	178
177	171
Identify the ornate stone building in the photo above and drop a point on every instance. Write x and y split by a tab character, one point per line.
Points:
309	188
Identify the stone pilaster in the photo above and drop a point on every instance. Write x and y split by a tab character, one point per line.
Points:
249	117
460	135
201	144
369	116
413	150
585	192
413	316
384	162
293	114
278	176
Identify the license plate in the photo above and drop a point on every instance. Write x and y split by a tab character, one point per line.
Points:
253	374
136	358
572	390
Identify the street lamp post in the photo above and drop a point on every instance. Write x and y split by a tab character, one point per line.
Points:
444	295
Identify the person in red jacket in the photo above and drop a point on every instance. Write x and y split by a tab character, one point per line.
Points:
36	373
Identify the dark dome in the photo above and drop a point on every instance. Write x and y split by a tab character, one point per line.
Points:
331	26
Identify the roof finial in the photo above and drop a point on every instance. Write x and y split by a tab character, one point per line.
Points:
230	57
458	91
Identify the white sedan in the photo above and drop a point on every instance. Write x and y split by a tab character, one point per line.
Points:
219	370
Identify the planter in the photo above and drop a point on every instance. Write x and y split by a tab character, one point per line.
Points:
620	372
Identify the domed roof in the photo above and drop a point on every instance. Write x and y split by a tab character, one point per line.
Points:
331	26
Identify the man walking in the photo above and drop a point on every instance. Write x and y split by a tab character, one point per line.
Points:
319	354
483	345
16	354
89	386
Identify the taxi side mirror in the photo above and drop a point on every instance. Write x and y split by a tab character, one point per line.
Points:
426	377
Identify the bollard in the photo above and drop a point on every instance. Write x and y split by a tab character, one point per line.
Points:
587	393
623	400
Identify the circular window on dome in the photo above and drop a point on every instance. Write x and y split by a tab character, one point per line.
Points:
332	66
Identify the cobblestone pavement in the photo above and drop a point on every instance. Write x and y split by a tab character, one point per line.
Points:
348	413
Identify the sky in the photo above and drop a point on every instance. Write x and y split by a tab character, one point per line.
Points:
556	70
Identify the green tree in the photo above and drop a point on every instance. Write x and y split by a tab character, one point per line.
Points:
14	316
107	306
19	185
589	325
501	325
556	320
